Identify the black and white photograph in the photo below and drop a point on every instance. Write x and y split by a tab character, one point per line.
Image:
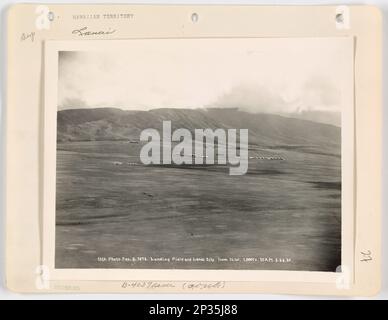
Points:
223	151
221	154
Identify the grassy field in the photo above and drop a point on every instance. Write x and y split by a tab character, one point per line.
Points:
280	215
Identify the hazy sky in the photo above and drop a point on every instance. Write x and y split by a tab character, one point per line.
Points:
259	75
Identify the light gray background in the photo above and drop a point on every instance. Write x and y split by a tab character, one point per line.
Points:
5	294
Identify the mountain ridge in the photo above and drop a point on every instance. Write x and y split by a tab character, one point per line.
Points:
103	124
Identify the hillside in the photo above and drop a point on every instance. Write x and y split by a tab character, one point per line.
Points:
264	129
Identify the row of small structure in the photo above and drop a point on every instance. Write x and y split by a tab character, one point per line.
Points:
267	158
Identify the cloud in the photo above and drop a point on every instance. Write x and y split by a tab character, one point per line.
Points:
256	75
73	102
252	98
320	93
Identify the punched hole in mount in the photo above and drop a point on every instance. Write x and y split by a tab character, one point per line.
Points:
339	18
51	16
342	18
194	17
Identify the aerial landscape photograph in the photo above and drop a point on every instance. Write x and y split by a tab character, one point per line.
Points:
282	211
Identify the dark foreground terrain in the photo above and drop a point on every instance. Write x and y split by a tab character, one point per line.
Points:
109	206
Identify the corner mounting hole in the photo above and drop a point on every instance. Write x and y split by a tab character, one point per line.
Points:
194	17
339	18
51	16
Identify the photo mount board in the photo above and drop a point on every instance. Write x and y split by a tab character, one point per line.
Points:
30	30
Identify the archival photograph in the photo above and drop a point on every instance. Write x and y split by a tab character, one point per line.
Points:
214	154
